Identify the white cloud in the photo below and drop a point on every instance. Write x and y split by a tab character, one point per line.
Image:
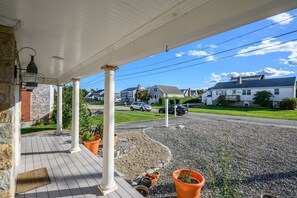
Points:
268	72
280	18
211	46
180	54
208	57
275	47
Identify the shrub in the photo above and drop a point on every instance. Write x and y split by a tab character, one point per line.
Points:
194	100
288	104
224	102
263	98
67	109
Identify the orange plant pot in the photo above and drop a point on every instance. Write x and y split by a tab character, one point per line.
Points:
94	145
185	190
153	178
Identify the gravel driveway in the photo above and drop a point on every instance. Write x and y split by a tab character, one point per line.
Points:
268	154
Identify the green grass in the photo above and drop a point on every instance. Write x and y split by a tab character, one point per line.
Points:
120	117
36	128
130	116
249	112
156	106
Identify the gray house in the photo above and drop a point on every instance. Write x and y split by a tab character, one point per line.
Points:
96	95
128	95
158	91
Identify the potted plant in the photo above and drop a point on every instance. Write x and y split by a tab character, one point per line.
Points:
143	190
91	141
98	130
188	183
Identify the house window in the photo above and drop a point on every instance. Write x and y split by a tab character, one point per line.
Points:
276	91
244	92
248	92
217	92
155	89
155	96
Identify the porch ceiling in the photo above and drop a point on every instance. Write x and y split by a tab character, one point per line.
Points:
90	34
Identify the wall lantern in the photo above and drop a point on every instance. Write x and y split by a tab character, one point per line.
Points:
30	78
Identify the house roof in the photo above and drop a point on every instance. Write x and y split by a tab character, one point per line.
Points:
273	82
130	89
99	91
169	89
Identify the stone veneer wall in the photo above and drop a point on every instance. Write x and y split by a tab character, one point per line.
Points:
41	102
7	122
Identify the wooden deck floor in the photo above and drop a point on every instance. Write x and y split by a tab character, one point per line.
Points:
72	175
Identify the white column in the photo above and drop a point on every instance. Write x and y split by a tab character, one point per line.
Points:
166	112
59	111
75	117
108	184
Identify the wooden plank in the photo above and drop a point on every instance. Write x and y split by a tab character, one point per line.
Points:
120	181
42	191
80	168
29	165
59	177
83	185
70	180
53	190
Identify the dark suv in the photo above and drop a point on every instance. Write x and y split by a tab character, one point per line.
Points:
180	109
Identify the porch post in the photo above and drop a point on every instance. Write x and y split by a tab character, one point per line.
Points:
59	111
75	117
108	184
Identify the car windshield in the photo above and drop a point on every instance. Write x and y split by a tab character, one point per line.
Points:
141	103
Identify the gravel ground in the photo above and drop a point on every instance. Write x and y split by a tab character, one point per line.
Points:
268	155
145	154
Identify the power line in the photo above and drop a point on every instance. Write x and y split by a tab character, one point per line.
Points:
225	57
219	43
209	55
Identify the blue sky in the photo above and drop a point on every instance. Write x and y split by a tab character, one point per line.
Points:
273	56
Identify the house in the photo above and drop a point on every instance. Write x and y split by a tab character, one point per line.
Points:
128	95
158	91
37	104
99	94
240	91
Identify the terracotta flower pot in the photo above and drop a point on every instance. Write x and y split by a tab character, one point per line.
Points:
94	145
185	190
152	177
156	174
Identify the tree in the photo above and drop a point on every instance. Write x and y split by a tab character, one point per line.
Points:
263	98
67	109
143	95
84	92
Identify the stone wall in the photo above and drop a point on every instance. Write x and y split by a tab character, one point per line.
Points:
41	102
7	58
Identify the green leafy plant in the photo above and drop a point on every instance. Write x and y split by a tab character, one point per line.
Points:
288	104
98	130
88	137
225	175
263	98
186	177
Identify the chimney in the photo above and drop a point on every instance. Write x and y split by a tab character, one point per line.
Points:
239	80
189	92
138	88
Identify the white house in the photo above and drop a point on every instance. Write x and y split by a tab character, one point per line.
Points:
241	90
158	91
128	95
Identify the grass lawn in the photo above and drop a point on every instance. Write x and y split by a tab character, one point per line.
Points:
36	128
120	117
249	111
130	116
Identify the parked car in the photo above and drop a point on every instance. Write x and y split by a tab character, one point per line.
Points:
140	106
180	109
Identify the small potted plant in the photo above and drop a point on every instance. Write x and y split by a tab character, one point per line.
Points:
188	183
91	141
98	130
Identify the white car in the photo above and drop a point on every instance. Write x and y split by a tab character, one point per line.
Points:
140	106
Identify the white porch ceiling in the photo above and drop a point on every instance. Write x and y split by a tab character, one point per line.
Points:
93	33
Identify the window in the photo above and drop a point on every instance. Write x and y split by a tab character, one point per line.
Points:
276	91
155	89
244	92
217	92
155	96
248	92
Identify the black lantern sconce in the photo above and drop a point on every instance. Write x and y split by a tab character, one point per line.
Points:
30	78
